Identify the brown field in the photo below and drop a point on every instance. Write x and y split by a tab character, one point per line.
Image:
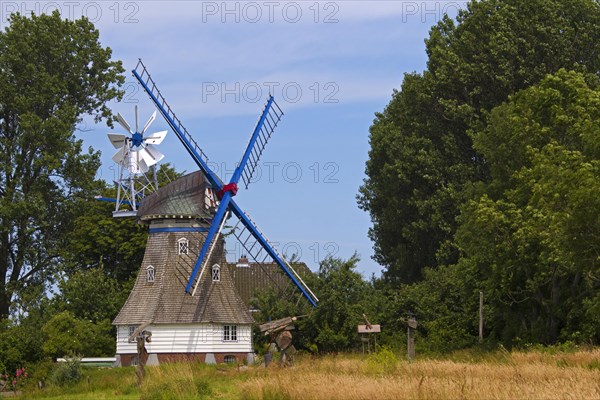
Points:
502	376
462	375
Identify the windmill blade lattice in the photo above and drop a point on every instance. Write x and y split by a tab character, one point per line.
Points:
245	232
143	76
262	133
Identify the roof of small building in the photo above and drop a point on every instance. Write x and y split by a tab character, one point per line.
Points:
251	278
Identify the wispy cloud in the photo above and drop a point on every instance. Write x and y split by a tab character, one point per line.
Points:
330	64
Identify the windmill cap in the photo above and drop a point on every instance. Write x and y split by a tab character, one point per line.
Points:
183	198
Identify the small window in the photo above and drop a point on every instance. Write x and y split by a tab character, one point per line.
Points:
229	359
131	330
183	246
216	273
134	361
229	333
149	274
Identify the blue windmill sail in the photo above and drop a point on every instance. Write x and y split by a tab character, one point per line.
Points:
265	127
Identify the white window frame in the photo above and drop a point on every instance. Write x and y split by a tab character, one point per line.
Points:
150	274
230	333
130	331
216	273
183	246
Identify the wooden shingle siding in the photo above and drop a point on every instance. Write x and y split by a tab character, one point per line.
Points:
192	338
164	301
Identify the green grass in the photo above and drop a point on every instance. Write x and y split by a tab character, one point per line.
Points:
102	383
168	381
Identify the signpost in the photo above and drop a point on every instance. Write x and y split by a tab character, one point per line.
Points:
365	332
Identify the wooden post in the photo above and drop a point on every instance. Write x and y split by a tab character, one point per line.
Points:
142	338
362	339
410	348
480	317
142	356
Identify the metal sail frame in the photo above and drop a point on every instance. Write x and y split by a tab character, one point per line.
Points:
226	192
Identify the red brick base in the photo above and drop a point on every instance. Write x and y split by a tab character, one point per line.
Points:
126	359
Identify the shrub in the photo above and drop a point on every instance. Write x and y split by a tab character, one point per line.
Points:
17	380
383	362
66	373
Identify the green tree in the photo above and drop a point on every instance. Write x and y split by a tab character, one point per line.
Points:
533	234
343	298
21	341
66	335
92	295
97	240
445	304
52	71
422	161
344	295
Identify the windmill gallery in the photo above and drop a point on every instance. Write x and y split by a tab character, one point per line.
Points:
187	297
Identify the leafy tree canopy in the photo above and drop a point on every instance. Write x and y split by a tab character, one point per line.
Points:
534	231
69	336
52	71
422	160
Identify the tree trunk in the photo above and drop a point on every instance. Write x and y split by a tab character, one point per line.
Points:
4	302
554	306
4	295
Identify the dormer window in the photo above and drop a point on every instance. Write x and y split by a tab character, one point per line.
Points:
216	273
149	274
183	246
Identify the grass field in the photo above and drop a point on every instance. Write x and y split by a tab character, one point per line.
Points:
463	375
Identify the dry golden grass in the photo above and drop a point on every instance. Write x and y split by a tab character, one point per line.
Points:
468	374
505	376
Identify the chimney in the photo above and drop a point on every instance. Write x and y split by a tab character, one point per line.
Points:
243	262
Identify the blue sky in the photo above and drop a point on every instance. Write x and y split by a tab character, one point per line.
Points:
330	65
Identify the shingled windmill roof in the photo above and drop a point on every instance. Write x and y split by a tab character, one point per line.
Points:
182	198
164	301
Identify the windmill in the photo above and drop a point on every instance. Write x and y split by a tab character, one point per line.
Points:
136	153
185	293
253	241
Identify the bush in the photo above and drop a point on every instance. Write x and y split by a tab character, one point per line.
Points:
383	362
67	335
41	371
67	373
